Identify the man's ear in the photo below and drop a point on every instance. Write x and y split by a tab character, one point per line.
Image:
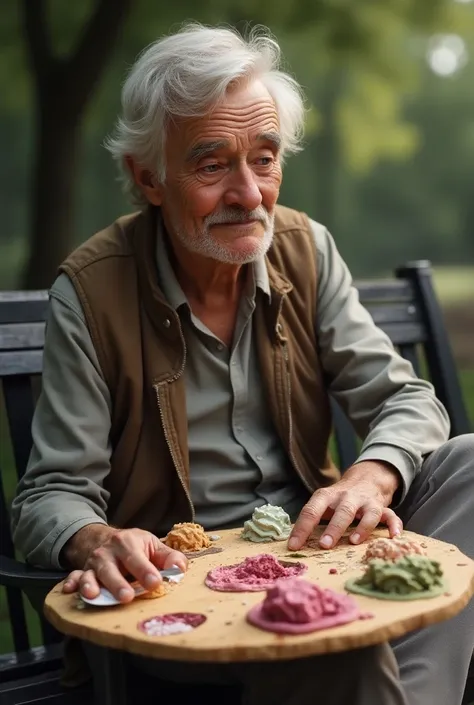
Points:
146	181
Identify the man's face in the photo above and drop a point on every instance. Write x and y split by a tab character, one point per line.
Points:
223	177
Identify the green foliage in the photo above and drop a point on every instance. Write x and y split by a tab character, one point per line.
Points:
387	160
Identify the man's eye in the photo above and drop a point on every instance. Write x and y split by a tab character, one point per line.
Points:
210	168
265	161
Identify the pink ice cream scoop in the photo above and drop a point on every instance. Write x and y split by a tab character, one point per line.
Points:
253	574
296	606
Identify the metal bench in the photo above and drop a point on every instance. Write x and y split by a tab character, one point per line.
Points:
405	307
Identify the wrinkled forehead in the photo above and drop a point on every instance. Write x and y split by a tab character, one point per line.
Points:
245	117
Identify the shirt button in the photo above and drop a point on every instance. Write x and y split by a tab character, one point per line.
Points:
167	323
259	457
219	347
239	429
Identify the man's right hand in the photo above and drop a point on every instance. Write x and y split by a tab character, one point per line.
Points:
110	554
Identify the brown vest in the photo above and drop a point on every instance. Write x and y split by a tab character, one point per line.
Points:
142	353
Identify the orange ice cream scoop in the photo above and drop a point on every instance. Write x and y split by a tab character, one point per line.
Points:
188	537
159	591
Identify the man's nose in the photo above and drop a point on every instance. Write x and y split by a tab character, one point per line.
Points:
243	190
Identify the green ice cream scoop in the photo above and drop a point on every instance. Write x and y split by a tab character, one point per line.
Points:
268	523
409	578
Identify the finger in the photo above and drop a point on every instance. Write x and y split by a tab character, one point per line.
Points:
393	522
71	584
142	568
342	518
309	517
167	558
131	550
88	584
106	571
371	515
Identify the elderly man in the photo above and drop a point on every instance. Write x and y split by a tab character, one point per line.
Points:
190	351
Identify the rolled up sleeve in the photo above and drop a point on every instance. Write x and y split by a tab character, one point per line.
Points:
396	414
62	489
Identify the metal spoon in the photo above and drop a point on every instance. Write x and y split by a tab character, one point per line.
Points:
106	599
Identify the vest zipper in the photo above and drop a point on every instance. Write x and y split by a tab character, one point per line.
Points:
156	387
290	418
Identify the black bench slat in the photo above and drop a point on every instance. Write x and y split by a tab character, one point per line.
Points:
409	352
16	610
438	352
19	628
394	313
14	597
23	306
19	403
45	689
385	290
21	362
346	442
21	336
404	333
32	663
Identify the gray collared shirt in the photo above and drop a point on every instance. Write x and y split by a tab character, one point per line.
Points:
236	459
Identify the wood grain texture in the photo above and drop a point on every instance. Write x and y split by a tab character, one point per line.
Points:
226	636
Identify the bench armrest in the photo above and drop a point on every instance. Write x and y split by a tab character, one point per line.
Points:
21	575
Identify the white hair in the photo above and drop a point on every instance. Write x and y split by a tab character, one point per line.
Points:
185	75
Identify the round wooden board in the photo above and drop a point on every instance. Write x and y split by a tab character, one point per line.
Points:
226	636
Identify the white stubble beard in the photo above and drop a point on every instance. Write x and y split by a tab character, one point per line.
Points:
203	243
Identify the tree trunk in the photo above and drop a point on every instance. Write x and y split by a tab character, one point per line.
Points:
63	88
52	195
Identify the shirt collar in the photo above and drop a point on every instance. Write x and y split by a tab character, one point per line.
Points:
171	287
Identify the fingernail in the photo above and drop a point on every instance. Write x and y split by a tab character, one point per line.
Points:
397	532
123	593
151	580
86	586
326	541
355	538
293	544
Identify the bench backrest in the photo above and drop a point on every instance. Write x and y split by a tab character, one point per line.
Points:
405	307
408	310
22	324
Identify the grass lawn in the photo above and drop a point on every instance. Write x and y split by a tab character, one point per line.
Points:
454	284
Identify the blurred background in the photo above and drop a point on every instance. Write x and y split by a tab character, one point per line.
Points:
388	163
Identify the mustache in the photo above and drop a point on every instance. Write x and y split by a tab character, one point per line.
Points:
237	215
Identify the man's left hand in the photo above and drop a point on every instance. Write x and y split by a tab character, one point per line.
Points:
364	492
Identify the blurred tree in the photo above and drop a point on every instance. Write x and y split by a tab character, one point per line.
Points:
63	86
354	59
